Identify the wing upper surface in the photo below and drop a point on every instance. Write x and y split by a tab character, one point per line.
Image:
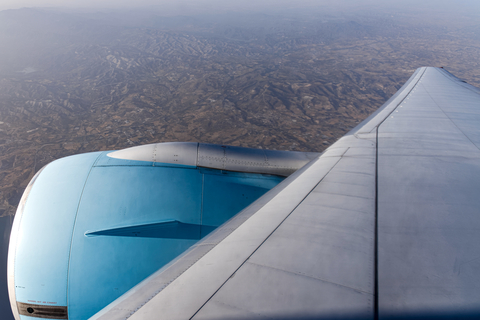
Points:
428	200
351	234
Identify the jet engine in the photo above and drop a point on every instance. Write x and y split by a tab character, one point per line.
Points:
89	227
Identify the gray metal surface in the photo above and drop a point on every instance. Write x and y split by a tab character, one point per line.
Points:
169	152
215	156
359	232
429	200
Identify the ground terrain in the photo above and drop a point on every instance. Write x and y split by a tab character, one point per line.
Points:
73	82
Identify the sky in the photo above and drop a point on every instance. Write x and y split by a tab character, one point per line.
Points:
16	4
234	4
193	7
184	7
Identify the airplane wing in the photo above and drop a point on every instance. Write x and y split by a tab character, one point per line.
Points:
385	223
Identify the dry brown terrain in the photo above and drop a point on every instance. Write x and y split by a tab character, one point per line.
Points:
80	83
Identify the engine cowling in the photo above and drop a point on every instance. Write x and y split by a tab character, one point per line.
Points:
91	226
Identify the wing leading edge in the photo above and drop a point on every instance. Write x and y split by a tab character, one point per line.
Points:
383	223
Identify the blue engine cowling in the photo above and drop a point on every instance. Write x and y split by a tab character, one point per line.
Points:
89	227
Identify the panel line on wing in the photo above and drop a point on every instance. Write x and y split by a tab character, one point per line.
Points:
375	315
347	184
343	194
337	208
459	82
453	122
376	304
309	276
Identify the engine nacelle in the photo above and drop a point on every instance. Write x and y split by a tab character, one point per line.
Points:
90	227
